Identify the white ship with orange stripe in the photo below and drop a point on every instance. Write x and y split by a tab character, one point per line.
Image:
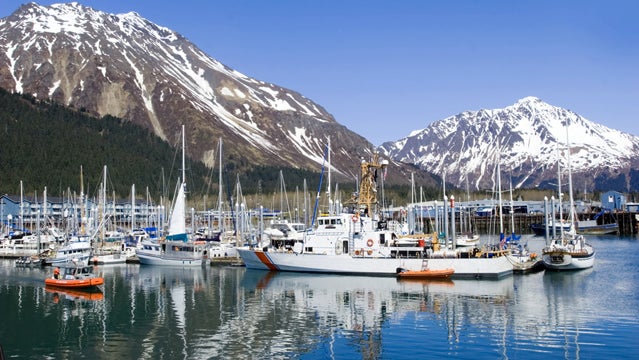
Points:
361	244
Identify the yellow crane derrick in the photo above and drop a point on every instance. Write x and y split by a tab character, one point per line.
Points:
367	197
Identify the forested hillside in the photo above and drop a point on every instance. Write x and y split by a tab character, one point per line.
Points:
46	145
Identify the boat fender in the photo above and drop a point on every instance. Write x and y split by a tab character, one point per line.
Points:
356	252
370	252
369	243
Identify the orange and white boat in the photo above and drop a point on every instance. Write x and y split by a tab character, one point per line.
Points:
74	276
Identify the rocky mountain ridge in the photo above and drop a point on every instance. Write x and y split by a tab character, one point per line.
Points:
529	139
126	66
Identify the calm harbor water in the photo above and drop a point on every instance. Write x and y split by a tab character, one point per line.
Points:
234	313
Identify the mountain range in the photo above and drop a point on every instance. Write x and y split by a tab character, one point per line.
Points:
126	66
530	140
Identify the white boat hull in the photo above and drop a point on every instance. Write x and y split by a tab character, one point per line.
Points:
160	260
495	267
109	259
565	261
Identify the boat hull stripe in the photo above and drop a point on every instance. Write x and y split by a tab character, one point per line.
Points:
265	260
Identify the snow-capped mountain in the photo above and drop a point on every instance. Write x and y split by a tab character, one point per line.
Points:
527	138
126	66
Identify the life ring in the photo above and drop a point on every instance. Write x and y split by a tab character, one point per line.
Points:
355	217
369	243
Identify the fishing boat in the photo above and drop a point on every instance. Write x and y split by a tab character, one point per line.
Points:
176	249
568	251
74	275
359	243
554	227
602	223
78	248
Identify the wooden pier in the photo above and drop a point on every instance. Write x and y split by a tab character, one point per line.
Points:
628	223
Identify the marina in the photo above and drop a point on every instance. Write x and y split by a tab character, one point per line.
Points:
226	311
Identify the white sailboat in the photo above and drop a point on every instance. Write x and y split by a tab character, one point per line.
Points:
568	251
176	249
524	261
78	246
108	249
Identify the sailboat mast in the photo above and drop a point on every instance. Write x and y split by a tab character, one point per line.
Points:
21	206
82	214
220	219
183	160
103	200
44	204
512	208
501	219
561	216
572	201
330	200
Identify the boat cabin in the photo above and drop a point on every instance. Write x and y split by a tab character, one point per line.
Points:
71	272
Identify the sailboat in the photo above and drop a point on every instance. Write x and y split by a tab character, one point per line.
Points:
524	261
176	249
568	251
78	246
108	249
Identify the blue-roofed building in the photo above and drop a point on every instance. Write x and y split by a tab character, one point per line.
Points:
613	200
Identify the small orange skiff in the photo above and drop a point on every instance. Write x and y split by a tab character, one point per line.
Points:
74	276
425	274
74	283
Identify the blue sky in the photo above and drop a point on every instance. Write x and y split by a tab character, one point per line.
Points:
386	68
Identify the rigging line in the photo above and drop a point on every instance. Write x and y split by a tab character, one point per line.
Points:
319	187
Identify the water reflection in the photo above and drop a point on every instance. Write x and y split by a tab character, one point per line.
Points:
359	310
225	312
74	294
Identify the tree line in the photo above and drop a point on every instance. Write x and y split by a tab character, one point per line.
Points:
45	144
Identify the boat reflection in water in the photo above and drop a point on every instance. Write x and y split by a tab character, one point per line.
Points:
75	294
221	312
322	314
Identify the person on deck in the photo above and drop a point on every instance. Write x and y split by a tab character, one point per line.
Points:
56	273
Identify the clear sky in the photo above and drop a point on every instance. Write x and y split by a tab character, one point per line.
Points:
386	68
